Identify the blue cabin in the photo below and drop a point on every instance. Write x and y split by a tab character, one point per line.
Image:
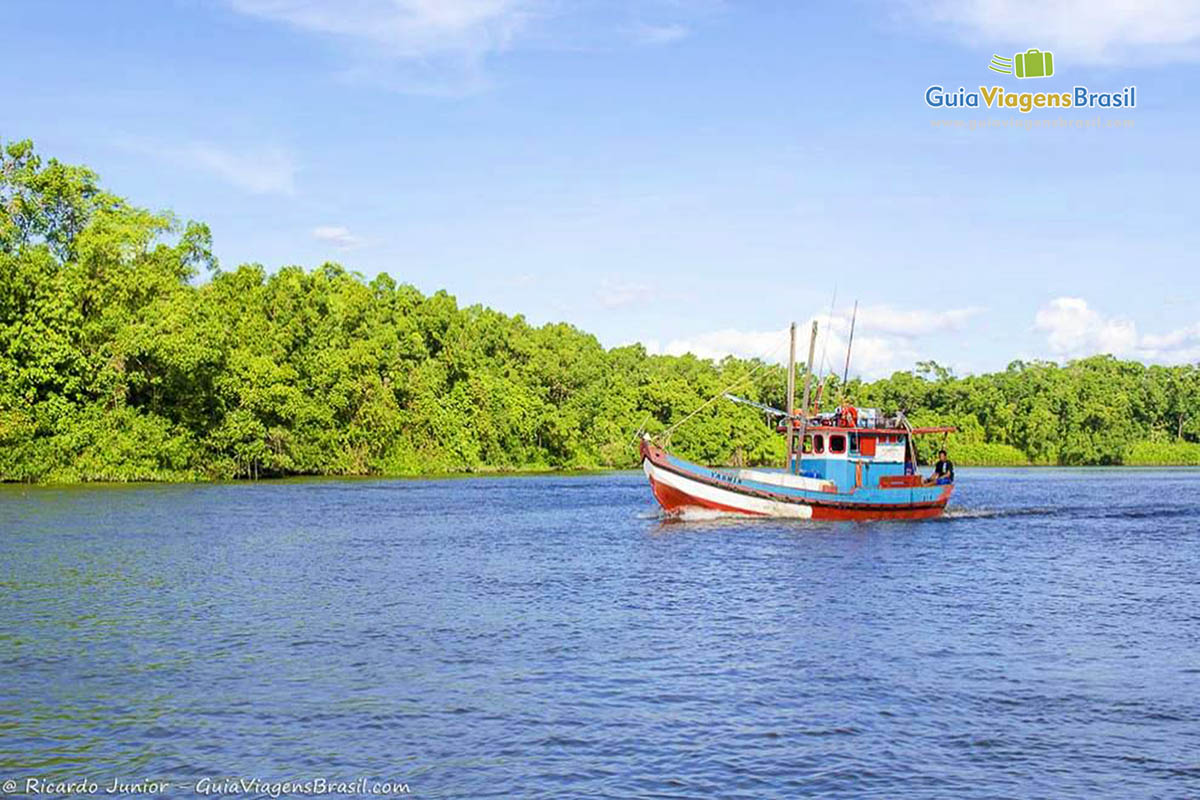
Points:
858	449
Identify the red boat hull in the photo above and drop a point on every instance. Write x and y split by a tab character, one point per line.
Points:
678	489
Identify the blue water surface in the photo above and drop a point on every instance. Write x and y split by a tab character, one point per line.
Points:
552	636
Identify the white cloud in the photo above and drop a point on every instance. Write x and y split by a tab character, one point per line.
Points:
1186	340
873	355
405	28
258	170
265	171
658	34
768	345
1086	31
916	322
884	340
422	46
521	279
1073	330
442	47
622	294
336	235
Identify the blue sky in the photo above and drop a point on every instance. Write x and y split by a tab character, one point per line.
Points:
691	174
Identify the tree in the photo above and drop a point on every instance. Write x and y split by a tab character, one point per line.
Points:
127	354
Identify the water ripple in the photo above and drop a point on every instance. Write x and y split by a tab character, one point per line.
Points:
555	636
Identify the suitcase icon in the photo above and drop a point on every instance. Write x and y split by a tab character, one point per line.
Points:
1034	63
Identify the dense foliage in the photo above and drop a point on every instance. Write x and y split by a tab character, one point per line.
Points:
126	354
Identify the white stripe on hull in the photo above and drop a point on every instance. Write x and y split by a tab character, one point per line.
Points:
724	497
780	478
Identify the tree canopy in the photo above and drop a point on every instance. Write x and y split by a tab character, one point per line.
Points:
127	354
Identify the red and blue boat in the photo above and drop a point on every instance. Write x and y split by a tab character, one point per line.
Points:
848	464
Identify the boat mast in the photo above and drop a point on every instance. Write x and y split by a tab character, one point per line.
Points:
849	344
791	396
812	349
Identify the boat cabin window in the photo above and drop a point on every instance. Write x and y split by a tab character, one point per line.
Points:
837	443
854	443
818	443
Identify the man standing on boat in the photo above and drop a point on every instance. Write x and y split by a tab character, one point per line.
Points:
943	470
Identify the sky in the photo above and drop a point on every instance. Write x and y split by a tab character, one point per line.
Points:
689	174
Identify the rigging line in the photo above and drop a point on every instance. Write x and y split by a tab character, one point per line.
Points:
642	426
713	399
828	331
849	344
762	363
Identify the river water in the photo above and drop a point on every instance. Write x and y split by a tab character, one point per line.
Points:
551	636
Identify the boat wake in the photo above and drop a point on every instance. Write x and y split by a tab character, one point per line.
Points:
696	514
990	513
1077	512
693	515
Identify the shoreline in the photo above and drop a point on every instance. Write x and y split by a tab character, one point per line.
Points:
500	473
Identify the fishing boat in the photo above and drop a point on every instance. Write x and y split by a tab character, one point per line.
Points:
847	464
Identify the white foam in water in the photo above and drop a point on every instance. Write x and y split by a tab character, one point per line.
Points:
705	515
970	513
692	515
683	515
983	513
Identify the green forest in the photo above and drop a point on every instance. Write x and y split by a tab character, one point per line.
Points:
127	353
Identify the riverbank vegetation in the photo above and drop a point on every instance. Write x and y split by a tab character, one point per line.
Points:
126	353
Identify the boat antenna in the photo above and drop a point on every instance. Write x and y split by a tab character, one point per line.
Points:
828	329
849	344
791	396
